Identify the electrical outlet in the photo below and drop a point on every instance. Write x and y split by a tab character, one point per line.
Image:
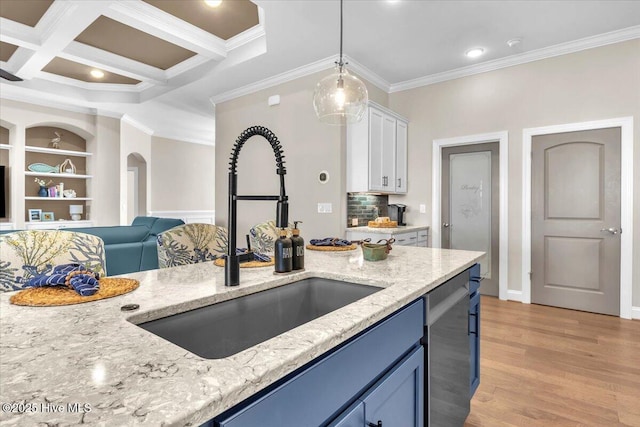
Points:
325	208
423	208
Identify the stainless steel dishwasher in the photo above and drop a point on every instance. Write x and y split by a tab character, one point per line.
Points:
447	360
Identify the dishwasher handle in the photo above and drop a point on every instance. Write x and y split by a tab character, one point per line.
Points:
434	313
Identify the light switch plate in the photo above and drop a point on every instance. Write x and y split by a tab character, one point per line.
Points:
325	208
423	208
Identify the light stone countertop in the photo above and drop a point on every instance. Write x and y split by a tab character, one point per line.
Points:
93	354
394	230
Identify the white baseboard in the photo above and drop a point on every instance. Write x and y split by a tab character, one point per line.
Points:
189	217
514	295
7	226
635	312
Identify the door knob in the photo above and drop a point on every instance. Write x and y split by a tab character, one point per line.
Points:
445	224
612	230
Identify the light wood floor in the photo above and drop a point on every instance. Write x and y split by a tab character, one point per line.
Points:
546	366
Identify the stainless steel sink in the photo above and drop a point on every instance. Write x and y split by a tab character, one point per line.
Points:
223	329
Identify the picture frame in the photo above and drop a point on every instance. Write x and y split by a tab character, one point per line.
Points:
35	215
48	216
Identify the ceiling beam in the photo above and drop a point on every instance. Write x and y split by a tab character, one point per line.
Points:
62	22
151	20
113	63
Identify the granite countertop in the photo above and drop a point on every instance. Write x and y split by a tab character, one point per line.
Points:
94	356
393	230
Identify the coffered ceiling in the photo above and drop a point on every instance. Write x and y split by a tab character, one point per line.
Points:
166	62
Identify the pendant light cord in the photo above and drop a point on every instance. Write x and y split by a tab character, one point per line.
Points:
340	63
340	32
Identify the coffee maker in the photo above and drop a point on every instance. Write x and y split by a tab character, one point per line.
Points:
396	213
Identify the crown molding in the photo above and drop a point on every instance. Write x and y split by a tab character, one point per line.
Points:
296	73
10	94
368	75
278	79
136	124
179	138
523	58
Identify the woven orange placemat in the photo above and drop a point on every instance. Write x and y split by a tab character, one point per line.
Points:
332	248
59	295
388	224
249	264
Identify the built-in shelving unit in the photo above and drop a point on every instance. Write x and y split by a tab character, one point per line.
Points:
39	148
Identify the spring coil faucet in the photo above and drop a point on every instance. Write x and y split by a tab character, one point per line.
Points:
232	264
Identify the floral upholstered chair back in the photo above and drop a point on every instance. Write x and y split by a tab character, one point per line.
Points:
190	244
29	253
263	236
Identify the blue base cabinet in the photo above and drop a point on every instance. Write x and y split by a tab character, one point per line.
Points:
474	328
395	400
380	369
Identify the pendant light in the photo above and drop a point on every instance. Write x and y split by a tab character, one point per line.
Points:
340	97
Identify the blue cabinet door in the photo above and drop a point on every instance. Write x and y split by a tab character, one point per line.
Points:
397	398
474	342
352	417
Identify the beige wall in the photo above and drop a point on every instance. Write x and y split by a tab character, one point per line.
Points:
309	147
183	175
105	207
135	141
594	84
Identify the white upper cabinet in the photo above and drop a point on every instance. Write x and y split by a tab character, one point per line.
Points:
377	152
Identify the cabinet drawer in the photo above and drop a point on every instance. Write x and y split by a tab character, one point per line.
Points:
319	391
423	235
406	239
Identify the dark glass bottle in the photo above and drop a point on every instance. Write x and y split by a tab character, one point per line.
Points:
297	243
283	252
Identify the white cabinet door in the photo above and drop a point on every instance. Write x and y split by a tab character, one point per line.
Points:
388	153
401	157
376	150
377	153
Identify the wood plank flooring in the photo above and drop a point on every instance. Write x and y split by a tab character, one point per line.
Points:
547	366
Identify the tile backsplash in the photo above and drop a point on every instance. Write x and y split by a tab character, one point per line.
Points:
365	207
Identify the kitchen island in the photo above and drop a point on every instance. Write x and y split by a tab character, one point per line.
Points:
90	363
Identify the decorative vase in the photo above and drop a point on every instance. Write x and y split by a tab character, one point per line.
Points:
43	192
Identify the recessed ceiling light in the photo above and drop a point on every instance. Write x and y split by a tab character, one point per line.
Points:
213	3
475	52
97	74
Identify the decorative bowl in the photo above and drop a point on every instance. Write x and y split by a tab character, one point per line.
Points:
374	251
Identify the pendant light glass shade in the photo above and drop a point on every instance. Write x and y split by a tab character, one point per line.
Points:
340	98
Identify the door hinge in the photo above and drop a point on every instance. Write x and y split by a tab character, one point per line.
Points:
530	275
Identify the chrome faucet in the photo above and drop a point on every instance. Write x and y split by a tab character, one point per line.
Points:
232	264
